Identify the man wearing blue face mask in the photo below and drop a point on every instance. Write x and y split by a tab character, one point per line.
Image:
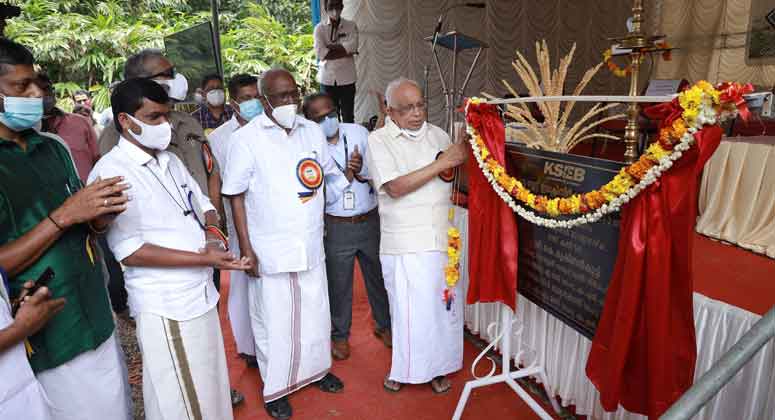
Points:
243	91
352	230
47	225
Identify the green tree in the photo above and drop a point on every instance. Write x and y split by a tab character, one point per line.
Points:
85	44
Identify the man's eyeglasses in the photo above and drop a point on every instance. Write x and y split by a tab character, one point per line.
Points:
320	119
407	109
291	96
170	72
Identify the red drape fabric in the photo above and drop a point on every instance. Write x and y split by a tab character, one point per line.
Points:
492	228
644	350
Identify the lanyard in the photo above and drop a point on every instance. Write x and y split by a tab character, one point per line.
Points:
346	153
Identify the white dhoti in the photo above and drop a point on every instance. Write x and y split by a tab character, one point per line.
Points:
239	304
21	395
90	386
239	313
427	339
184	368
292	326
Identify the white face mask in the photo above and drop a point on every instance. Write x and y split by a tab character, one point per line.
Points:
216	97
414	134
198	98
285	115
177	88
330	126
155	137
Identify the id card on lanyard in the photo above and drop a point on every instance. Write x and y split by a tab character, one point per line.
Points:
348	197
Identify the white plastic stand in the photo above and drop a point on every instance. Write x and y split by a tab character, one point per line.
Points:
506	375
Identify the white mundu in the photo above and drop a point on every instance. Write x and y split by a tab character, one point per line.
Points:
21	396
427	338
281	176
239	312
184	362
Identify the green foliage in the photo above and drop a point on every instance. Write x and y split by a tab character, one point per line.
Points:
85	43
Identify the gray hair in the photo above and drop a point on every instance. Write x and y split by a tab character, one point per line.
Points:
393	86
135	64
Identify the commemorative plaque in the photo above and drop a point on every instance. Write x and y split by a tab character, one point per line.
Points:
565	271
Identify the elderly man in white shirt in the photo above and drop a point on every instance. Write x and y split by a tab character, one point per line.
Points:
244	94
406	159
352	230
274	177
167	239
336	43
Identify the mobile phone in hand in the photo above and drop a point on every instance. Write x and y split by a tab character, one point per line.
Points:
42	280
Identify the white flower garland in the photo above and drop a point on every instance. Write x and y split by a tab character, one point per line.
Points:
706	116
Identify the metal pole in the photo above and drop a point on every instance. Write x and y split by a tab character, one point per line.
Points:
724	369
216	37
452	93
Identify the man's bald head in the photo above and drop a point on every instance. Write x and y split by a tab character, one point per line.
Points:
272	77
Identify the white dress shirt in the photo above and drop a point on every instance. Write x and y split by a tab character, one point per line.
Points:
286	233
155	215
418	221
342	70
351	135
219	139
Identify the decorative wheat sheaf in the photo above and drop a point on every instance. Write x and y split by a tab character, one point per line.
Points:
554	134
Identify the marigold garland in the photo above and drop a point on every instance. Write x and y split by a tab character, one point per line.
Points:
452	269
624	72
700	105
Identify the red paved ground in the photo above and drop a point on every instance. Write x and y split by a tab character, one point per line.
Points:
722	272
362	374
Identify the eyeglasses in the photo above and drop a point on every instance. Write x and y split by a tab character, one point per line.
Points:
170	72
408	109
291	96
320	119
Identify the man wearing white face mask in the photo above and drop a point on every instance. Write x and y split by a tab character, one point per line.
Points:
352	230
274	176
243	91
408	160
189	142
214	111
167	243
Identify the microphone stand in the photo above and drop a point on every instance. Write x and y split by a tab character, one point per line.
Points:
449	95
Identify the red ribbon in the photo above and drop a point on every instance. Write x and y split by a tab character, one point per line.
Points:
667	112
733	92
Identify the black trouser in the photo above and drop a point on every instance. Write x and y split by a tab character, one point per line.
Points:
116	289
343	242
344	100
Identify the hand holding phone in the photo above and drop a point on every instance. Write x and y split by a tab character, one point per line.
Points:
29	289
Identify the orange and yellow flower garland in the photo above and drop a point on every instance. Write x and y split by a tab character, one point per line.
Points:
452	270
624	72
700	105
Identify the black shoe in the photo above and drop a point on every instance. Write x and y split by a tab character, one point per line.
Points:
236	398
330	383
251	361
279	409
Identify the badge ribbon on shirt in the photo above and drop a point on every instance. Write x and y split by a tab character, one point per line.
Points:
310	175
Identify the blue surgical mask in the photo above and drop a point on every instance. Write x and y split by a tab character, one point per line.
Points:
330	126
250	109
21	113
